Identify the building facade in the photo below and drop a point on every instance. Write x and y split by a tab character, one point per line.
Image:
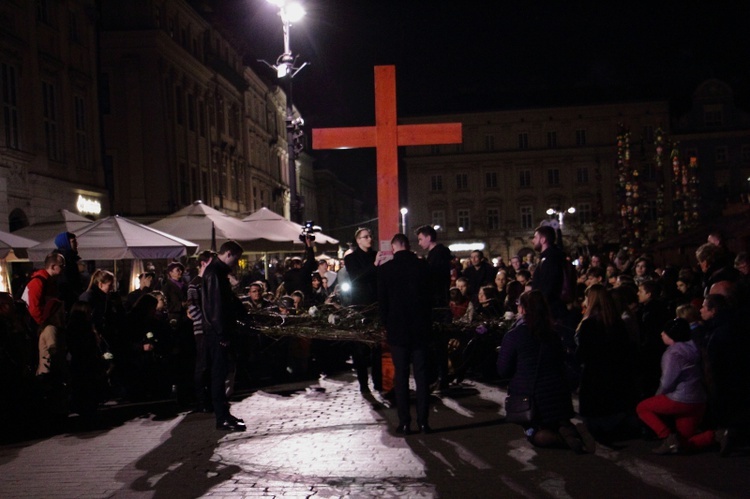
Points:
50	155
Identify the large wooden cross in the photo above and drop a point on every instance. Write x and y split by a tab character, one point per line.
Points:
386	136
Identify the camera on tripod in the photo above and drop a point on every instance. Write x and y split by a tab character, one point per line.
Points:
308	231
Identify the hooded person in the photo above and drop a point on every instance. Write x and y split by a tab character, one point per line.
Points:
70	283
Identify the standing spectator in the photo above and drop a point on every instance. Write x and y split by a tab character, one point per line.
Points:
70	282
652	316
175	290
88	378
195	314
548	276
42	285
713	267
220	309
145	282
362	275
299	277
324	272
404	297
479	273
52	371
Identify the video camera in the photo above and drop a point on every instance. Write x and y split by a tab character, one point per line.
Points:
308	231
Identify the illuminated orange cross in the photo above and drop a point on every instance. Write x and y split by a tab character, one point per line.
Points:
386	136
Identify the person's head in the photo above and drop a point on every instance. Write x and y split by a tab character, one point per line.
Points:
512	291
643	267
594	275
147	305
161	300
716	237
501	280
707	255
296	262
742	263
544	237
456	296
324	281
476	258
599	304
285	304
175	270
146	279
533	306
523	276
677	330
255	291
204	258
103	280
515	262
624	280
487	294
400	242
65	241
363	238
688	312
298	297
426	237
625	299
316	281
596	261
647	291
463	285
713	305
80	313
230	253
322	266
54	264
682	286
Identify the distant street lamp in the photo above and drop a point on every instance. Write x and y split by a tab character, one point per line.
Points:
290	12
404	211
561	214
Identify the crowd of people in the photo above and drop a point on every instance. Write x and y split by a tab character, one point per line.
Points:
654	351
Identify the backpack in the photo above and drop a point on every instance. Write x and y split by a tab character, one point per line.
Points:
25	294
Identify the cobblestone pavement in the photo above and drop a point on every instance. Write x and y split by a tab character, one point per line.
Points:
325	439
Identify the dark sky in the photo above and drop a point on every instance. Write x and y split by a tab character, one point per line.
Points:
462	56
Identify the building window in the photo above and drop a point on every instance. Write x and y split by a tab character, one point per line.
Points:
527	217
463	220
721	154
202	118
553	176
462	181
584	213
648	133
580	137
82	141
204	186
191	112
438	219
490	180
582	175
523	140
10	106
184	185
525	178
489	142
50	120
713	115
436	182
493	218
551	139
178	108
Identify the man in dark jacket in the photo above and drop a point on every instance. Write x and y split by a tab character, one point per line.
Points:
404	298
70	283
548	275
220	312
478	274
299	277
361	270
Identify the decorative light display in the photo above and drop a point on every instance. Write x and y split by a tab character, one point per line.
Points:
629	194
659	161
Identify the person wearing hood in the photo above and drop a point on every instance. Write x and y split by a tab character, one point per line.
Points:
70	283
681	395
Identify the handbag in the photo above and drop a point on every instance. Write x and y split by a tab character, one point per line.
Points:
519	409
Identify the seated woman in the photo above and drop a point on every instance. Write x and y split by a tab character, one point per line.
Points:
458	303
532	356
319	293
681	396
489	307
514	290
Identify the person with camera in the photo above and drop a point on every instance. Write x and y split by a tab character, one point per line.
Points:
299	277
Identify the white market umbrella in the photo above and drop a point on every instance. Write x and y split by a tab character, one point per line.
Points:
205	226
14	242
49	227
118	238
279	234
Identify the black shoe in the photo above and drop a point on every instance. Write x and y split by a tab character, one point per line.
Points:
403	429
364	390
230	425
236	420
425	429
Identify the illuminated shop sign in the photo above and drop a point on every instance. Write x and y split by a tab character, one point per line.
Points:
466	247
88	206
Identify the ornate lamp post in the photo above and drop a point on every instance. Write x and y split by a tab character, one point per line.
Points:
404	211
290	12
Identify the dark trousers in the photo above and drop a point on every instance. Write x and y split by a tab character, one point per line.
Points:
364	355
201	377
403	357
218	356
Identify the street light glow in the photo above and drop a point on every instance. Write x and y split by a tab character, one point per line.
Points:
404	211
294	12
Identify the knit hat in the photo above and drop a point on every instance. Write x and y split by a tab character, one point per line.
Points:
678	329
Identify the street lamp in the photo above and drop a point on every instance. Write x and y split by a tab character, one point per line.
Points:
561	214
290	12
404	211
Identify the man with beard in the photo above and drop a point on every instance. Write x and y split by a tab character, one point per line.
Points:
548	275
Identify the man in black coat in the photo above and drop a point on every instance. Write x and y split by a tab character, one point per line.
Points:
404	298
478	274
362	274
548	275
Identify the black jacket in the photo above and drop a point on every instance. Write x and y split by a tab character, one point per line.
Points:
404	298
220	305
360	266
439	260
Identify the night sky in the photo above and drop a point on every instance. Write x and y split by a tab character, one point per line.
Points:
469	55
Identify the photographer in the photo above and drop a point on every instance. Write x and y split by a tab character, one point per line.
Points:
299	277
